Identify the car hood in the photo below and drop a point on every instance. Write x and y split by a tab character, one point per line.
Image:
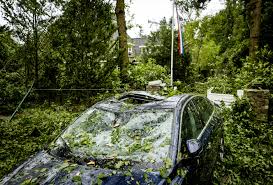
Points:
46	169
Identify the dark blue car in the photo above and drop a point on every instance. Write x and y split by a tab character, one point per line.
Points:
136	138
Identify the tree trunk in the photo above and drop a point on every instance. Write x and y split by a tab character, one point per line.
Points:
123	45
35	36
255	14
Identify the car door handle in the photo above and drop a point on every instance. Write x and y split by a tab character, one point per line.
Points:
198	161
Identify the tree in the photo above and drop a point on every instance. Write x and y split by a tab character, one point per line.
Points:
159	48
28	20
267	24
259	19
188	6
254	10
82	46
7	46
123	45
11	83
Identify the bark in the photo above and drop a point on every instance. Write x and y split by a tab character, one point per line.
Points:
35	36
123	45
255	14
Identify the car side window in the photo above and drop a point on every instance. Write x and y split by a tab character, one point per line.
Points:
203	107
192	125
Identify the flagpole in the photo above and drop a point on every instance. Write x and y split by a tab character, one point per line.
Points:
172	44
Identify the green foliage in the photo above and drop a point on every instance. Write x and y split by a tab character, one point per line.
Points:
248	148
267	24
219	48
203	48
11	83
29	21
142	73
83	48
28	133
115	135
159	44
77	179
207	53
188	5
159	48
164	170
257	71
77	50
7	47
11	92
218	43
71	53
221	84
29	17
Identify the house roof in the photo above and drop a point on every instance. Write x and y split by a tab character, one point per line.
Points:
139	41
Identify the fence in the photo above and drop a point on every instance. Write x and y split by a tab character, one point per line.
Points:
227	99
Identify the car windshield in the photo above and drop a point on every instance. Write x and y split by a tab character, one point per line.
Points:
143	136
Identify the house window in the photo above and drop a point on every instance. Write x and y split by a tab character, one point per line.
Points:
142	49
130	50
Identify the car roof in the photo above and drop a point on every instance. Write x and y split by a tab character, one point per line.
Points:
140	100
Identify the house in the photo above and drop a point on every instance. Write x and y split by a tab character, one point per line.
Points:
136	47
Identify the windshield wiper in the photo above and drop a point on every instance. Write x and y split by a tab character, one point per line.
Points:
62	150
66	147
75	158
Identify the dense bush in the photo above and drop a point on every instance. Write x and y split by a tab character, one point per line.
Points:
28	133
11	91
11	78
257	70
221	84
218	84
248	148
142	73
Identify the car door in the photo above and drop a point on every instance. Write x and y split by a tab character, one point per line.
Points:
205	111
191	127
195	125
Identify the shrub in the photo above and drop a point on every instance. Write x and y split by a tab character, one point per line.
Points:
141	74
28	133
257	70
11	91
248	148
221	84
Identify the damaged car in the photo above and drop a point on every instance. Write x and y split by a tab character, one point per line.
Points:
135	138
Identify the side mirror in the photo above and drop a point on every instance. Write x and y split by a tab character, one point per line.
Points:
194	147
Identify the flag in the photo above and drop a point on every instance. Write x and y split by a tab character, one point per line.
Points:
180	35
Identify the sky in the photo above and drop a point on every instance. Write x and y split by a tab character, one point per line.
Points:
141	11
2	21
156	10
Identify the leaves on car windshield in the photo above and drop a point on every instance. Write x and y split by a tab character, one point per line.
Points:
144	136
